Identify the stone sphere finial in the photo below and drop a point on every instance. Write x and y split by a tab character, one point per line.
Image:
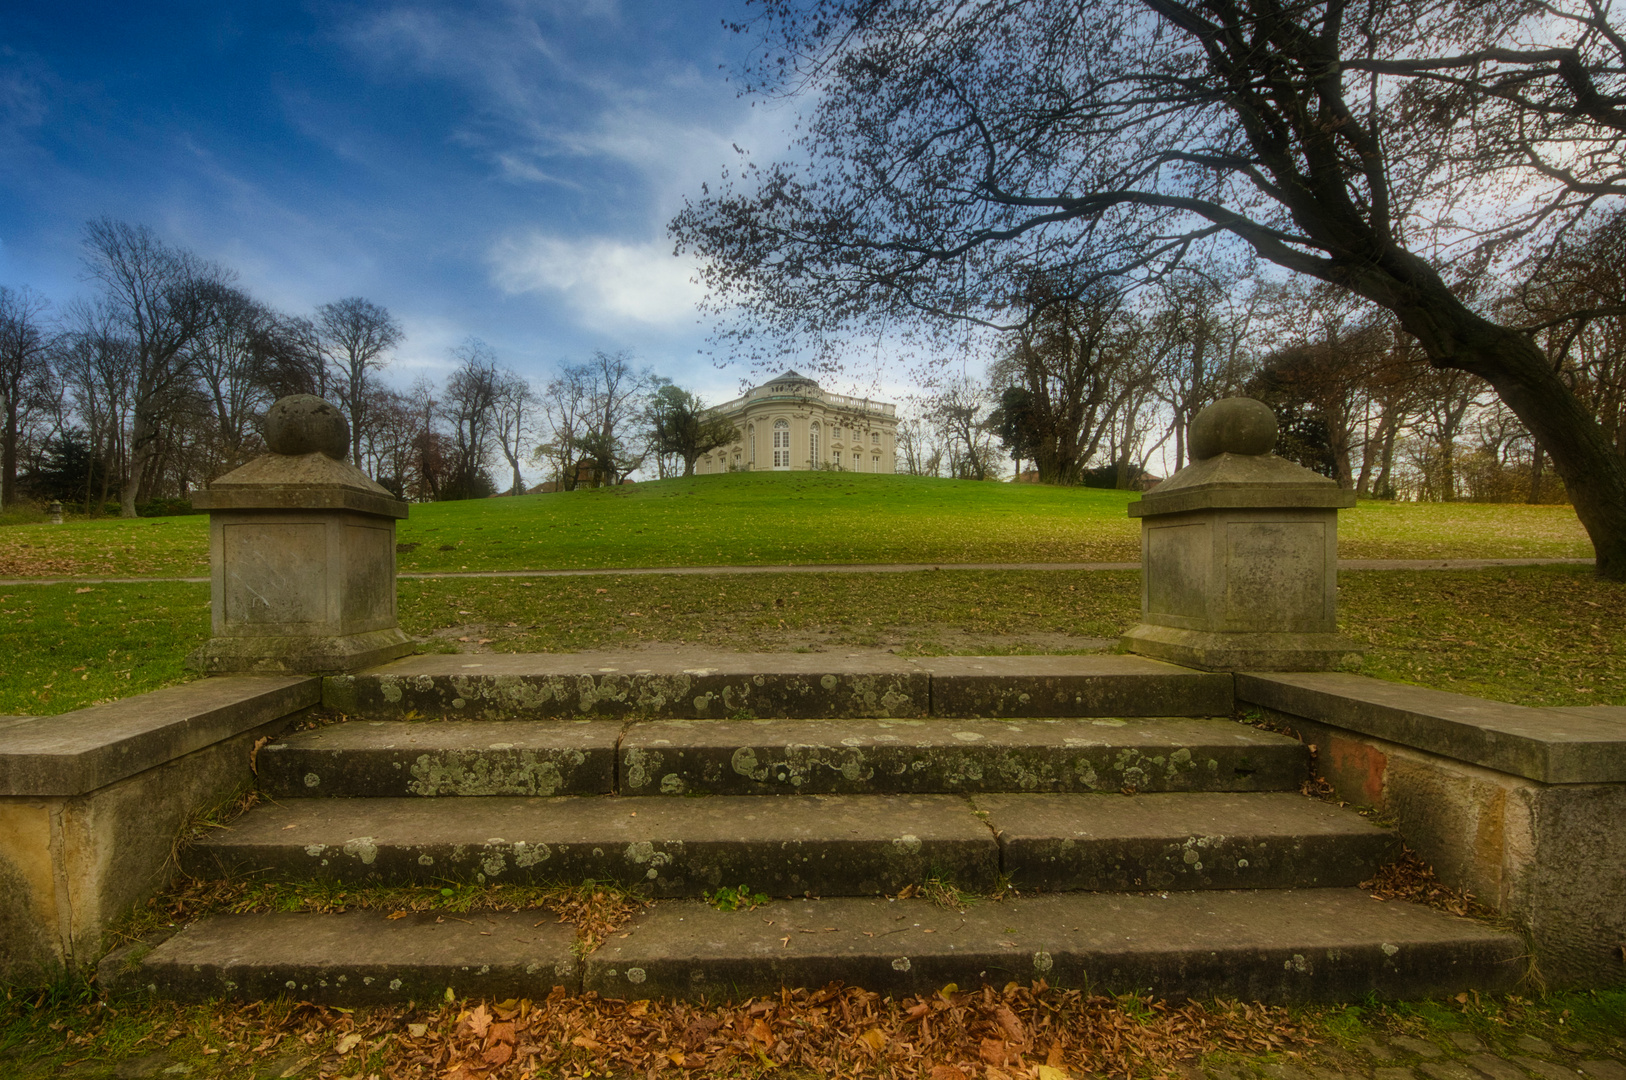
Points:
305	424
1236	425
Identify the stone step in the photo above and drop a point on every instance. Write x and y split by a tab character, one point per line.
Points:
1317	945
732	757
822	845
1183	841
363	958
402	758
375	758
701	684
784	846
1291	945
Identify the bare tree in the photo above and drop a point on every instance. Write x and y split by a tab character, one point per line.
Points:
292	360
565	407
515	416
1065	365
25	376
160	299
229	356
616	397
960	408
355	337
469	404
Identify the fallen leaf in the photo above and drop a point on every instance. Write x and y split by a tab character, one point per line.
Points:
1013	1026
479	1020
946	1072
348	1043
874	1038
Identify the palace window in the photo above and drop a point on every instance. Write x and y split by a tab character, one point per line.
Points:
858	461
781	444
875	438
813	444
875	464
751	441
835	436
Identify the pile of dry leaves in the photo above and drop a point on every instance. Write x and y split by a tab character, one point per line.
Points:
1410	878
838	1031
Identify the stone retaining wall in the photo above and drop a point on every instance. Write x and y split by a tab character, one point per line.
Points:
92	803
1523	808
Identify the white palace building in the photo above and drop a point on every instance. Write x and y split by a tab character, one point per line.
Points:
789	423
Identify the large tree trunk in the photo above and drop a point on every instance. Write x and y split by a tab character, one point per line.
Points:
143	445
8	457
1593	473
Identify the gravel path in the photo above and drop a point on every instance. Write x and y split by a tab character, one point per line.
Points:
840	568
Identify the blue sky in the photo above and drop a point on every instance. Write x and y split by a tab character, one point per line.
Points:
496	169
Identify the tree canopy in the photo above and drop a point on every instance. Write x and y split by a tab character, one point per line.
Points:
1393	148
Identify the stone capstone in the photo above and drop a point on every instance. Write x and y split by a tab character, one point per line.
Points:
306	424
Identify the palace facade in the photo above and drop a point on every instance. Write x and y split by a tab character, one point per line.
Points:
789	423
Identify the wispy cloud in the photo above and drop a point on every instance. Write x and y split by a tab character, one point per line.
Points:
605	282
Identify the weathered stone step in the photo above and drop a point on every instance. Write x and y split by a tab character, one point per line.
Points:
401	758
377	758
734	757
1311	945
363	958
784	846
1299	945
701	684
823	845
1183	841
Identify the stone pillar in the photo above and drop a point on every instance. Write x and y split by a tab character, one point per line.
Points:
1239	554
301	554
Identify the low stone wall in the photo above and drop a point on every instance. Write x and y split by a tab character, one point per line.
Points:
1524	808
92	803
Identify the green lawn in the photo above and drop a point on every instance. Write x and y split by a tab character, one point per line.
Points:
1533	635
745	519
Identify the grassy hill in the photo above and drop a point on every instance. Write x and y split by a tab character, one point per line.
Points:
745	519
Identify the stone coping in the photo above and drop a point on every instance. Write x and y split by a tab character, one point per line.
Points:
1585	745
75	752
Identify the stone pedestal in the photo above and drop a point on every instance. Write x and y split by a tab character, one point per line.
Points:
302	556
1239	554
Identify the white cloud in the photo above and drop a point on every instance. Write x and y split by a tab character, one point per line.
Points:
606	281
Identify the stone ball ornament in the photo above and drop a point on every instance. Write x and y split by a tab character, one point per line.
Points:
306	424
1236	425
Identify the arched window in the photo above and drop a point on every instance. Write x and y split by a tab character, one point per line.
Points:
813	445
781	444
751	440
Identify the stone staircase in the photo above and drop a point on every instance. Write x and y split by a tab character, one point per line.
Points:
1169	853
